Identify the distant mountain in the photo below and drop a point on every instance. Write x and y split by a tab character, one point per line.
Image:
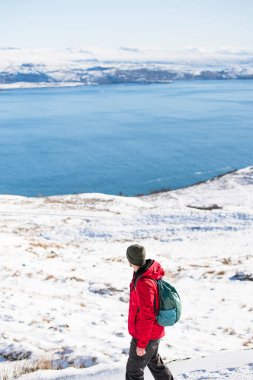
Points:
75	66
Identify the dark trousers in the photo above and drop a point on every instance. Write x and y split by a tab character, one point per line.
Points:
136	364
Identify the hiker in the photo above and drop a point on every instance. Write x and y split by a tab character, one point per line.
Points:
142	325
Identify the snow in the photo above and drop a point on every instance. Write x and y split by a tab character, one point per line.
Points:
22	68
15	85
235	365
65	278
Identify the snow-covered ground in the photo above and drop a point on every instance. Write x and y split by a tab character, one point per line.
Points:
90	65
236	365
64	276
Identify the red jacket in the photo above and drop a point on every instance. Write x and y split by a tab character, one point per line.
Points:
144	298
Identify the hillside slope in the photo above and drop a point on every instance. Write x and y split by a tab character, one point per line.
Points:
64	275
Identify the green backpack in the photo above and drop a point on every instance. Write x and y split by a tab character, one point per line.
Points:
170	306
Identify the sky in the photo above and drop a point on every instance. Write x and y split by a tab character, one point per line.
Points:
170	24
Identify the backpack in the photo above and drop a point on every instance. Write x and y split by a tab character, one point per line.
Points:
169	303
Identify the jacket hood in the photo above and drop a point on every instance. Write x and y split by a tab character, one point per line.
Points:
151	269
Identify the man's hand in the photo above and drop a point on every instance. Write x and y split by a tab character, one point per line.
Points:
140	351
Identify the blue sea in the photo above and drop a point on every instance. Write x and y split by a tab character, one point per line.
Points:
123	139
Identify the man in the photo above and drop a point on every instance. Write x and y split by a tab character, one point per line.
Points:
142	325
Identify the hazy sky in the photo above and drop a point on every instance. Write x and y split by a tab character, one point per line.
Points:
137	23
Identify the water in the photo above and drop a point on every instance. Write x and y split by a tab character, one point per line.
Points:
123	138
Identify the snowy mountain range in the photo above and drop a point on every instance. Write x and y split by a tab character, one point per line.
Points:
82	66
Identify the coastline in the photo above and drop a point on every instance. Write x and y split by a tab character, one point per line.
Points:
28	85
139	195
102	66
165	190
38	85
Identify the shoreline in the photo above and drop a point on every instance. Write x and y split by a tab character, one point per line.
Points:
121	194
30	85
33	85
165	190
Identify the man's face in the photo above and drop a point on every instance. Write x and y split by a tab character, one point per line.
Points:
135	268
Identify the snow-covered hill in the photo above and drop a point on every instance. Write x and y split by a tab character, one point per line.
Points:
64	276
79	66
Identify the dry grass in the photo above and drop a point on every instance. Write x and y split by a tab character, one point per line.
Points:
27	229
115	259
77	201
16	273
226	261
45	245
50	277
248	343
13	370
46	319
229	331
75	278
52	255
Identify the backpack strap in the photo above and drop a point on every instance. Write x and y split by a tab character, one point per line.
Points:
138	277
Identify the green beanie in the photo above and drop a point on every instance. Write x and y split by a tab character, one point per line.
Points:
136	254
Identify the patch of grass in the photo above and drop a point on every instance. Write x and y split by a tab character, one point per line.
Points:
39	244
13	370
76	278
50	277
51	255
